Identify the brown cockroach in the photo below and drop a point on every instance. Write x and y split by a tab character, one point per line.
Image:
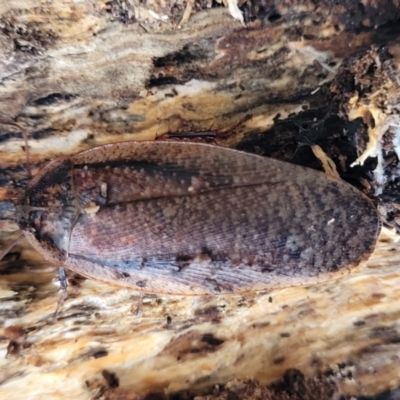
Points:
194	219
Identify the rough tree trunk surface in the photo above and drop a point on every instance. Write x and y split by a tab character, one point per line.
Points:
300	77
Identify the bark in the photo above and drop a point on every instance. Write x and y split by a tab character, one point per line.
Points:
301	74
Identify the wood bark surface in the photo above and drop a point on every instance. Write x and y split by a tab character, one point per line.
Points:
78	74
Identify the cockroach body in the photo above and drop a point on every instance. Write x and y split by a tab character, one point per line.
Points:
194	219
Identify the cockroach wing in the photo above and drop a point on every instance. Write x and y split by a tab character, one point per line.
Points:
196	219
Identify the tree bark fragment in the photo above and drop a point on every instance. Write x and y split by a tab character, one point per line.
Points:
81	74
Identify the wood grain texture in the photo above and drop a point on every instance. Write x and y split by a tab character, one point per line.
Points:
81	74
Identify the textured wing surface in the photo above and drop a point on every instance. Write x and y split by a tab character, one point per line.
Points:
129	171
212	220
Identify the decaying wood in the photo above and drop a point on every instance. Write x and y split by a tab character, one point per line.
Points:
79	74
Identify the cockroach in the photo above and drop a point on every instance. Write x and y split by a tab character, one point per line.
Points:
195	219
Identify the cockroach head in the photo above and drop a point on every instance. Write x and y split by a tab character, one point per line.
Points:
47	211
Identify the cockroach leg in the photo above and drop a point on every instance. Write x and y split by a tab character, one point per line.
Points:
62	278
63	284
